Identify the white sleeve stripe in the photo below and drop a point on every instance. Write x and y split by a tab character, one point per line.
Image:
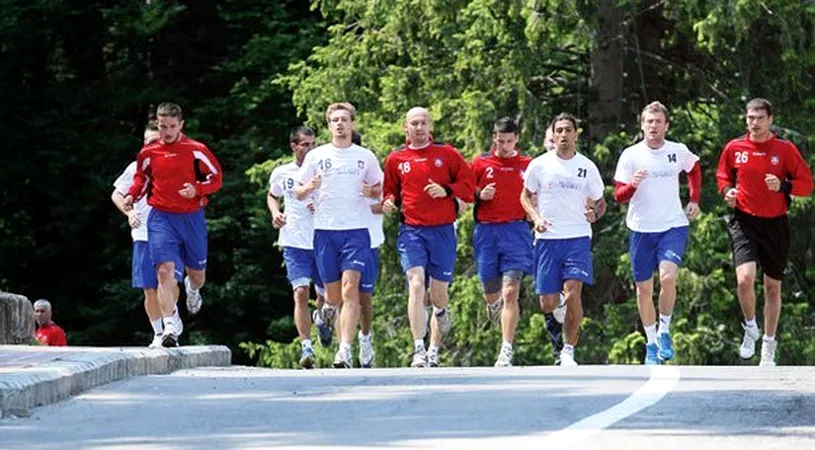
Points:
201	156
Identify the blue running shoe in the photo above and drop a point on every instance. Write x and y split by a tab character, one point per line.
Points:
651	358
324	332
666	347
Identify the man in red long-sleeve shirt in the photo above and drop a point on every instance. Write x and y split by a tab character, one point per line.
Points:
647	177
177	174
757	174
502	239
425	178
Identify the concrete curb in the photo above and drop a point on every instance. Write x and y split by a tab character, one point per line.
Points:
84	368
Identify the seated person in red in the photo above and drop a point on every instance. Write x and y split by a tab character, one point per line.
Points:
48	333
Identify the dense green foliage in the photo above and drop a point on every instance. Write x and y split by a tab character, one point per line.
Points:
78	78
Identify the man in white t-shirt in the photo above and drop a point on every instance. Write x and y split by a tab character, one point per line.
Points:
143	272
569	192
296	237
647	176
342	177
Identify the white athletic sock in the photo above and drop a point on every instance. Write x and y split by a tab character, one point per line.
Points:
651	333
438	311
158	327
664	324
305	343
169	321
751	323
769	338
418	344
506	344
364	337
569	348
345	346
433	349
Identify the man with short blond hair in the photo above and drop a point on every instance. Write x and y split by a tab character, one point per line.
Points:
647	178
342	177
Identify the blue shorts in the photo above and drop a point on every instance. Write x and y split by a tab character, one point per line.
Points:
433	248
647	250
178	236
368	280
142	270
558	260
339	250
301	267
501	247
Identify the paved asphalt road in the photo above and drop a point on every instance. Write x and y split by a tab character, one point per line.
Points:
588	407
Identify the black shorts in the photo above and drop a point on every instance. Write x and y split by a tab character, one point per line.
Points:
762	240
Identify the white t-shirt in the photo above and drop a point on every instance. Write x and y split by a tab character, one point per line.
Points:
375	227
563	186
655	206
339	203
299	229
122	185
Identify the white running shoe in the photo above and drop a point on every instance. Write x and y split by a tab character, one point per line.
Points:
179	325
443	321
194	299
504	357
170	336
748	343
494	311
560	311
567	357
419	358
768	352
329	313
366	351
157	338
432	358
342	360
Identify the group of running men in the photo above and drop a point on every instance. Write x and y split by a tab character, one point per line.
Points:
335	195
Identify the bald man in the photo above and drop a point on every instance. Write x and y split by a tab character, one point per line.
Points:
423	179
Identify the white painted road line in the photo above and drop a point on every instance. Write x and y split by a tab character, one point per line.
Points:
661	381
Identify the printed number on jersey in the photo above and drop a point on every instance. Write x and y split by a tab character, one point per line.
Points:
404	167
581	172
741	157
324	164
490	173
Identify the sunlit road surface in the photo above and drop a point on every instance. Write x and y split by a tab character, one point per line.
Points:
586	407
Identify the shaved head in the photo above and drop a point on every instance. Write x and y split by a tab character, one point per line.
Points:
417	111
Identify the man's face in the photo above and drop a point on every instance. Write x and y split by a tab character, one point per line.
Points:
42	315
565	135
170	128
654	126
417	128
151	136
303	145
505	143
758	122
340	124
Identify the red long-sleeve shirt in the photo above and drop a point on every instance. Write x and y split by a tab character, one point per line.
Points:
409	170
162	169
744	164
508	176
52	335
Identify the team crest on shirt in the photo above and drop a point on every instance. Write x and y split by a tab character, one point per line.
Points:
360	164
438	162
774	160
